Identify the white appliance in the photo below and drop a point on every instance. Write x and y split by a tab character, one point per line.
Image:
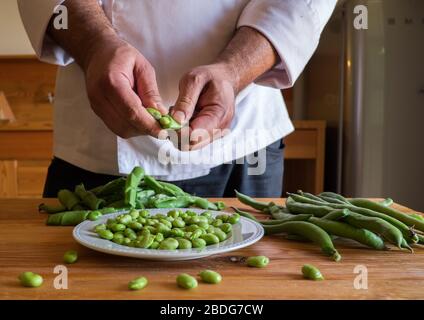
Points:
376	141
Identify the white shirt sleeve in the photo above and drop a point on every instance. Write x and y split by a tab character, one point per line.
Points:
293	27
35	15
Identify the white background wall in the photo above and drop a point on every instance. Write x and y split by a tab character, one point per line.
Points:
13	39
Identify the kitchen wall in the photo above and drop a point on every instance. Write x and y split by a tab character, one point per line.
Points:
13	39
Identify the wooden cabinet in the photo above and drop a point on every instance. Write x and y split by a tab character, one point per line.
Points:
304	157
24	158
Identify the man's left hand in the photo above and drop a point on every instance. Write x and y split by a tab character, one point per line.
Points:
206	101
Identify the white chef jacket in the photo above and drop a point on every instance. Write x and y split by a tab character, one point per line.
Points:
175	36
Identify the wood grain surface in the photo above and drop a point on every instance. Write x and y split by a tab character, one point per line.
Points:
28	245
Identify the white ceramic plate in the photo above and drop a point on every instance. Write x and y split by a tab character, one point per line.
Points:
245	233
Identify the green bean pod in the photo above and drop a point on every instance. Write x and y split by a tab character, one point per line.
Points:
88	198
176	190
68	199
336	214
168	122
376	225
310	196
158	186
405	218
112	187
311	232
250	201
299	204
345	230
334	196
173	202
67	218
131	186
50	208
306	208
332	200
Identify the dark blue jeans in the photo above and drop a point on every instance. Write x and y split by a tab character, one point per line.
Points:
220	182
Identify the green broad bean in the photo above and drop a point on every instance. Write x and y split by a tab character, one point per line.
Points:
186	281
30	279
222	236
125	219
100	227
134	214
226	227
192	228
223	217
118	227
126	241
94	215
129	233
234	218
118	238
174	213
184	243
143	232
105	234
257	261
198	243
146	241
203	225
178	223
169	244
136	226
138	283
217	222
70	256
206	214
177	233
210	276
187	235
144	213
210	238
196	234
154	245
311	272
141	220
151	229
161	228
159	237
166	223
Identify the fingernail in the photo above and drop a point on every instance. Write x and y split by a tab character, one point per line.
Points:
179	116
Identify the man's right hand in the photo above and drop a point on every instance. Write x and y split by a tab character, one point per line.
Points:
121	83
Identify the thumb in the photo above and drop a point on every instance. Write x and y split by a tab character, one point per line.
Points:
147	88
191	85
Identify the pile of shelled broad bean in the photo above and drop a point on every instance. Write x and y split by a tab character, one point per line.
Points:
177	229
137	191
320	218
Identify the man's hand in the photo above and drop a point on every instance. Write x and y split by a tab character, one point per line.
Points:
207	94
120	82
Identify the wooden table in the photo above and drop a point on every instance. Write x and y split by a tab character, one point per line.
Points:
28	245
